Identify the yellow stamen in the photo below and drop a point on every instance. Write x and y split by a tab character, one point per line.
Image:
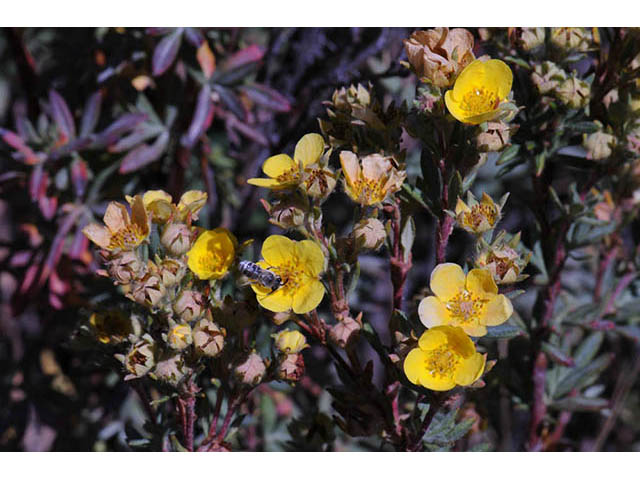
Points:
441	362
478	101
465	307
129	237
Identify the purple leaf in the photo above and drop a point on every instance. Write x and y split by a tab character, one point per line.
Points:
243	57
14	141
144	154
79	176
202	118
112	133
48	206
57	246
165	52
230	100
91	114
267	97
62	115
141	134
193	36
67	148
38	183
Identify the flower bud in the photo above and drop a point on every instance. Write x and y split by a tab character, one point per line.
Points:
495	138
437	56
342	332
291	367
569	38
170	369
503	259
599	145
140	358
547	77
574	92
171	271
191	202
176	238
345	99
208	338
286	213
189	305
370	233
251	370
179	336
477	217
290	341
527	38
124	267
148	290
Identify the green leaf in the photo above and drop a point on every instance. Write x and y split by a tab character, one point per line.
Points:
580	404
588	349
580	377
504	331
407	238
508	154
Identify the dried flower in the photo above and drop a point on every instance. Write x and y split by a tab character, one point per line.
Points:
299	266
121	232
318	181
570	38
445	357
124	267
252	369
290	341
171	271
212	254
438	55
371	180
547	77
471	302
140	358
574	92
148	290
208	338
495	138
291	367
599	145
343	331
503	259
170	369
527	38
111	326
477	217
286	213
479	91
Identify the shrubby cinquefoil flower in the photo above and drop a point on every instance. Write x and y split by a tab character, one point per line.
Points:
445	357
299	266
471	302
122	232
212	254
479	90
369	181
477	217
290	341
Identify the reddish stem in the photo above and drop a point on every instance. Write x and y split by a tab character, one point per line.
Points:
538	409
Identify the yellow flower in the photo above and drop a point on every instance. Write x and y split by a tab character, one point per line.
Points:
470	302
285	172
122	232
111	326
191	202
371	180
212	254
299	266
290	341
158	202
445	357
477	217
479	90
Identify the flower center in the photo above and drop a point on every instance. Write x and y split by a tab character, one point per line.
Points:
290	176
442	362
211	261
465	307
318	176
479	213
502	264
371	191
291	276
479	100
127	238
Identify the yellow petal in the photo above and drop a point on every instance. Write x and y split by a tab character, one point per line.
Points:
459	341
153	195
414	365
475	330
309	149
470	369
480	282
277	250
453	106
472	75
461	207
277	301
310	256
308	296
432	339
498	77
432	312
139	215
497	311
437	383
267	183
278	164
447	279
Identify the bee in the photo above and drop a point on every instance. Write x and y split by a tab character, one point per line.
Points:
260	275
